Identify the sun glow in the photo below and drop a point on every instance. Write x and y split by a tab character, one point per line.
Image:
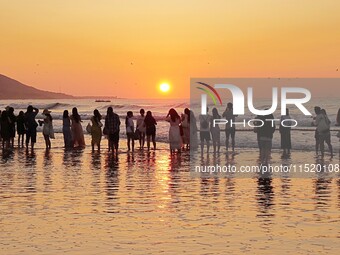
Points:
164	87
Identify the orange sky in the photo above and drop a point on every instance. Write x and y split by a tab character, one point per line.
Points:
127	48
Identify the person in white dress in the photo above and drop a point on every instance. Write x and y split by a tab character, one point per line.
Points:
174	132
48	130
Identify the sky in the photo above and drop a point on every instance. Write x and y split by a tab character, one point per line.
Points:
128	48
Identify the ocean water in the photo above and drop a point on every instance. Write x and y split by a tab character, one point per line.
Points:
79	202
82	202
302	139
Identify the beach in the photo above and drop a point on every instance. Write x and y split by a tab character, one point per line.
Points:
79	202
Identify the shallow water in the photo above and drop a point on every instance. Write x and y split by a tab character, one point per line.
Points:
78	202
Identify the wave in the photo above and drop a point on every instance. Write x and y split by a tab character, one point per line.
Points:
56	105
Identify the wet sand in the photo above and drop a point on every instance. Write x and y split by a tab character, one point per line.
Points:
79	202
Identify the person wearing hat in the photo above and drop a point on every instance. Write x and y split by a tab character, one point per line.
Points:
47	131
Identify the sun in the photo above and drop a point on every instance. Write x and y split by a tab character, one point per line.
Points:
164	87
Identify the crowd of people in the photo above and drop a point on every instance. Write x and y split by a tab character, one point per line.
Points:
211	131
25	126
183	130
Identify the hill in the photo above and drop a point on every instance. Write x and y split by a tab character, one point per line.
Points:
12	89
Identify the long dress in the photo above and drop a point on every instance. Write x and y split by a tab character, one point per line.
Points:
186	129
174	134
285	134
77	133
96	131
68	143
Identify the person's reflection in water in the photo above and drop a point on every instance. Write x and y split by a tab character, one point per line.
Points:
67	159
96	160
175	163
265	196
77	158
7	155
48	169
112	182
322	192
151	160
96	166
30	171
230	192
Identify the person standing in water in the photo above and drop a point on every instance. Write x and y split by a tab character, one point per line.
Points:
77	129
322	130
67	133
21	129
96	129
12	119
5	132
286	143
141	128
31	126
205	121
130	127
174	132
265	134
193	131
150	124
229	127
328	133
111	129
215	131
186	128
48	131
338	118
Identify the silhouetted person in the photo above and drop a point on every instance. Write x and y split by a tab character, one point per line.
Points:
328	134
140	127
111	129
285	133
21	129
48	131
265	134
205	121
12	118
193	131
150	124
186	128
5	130
130	127
67	133
174	132
322	124
96	129
77	129
338	118
229	128
31	126
215	131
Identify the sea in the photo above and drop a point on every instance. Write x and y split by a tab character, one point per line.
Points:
82	202
302	135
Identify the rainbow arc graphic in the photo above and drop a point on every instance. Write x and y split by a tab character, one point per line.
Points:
211	92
